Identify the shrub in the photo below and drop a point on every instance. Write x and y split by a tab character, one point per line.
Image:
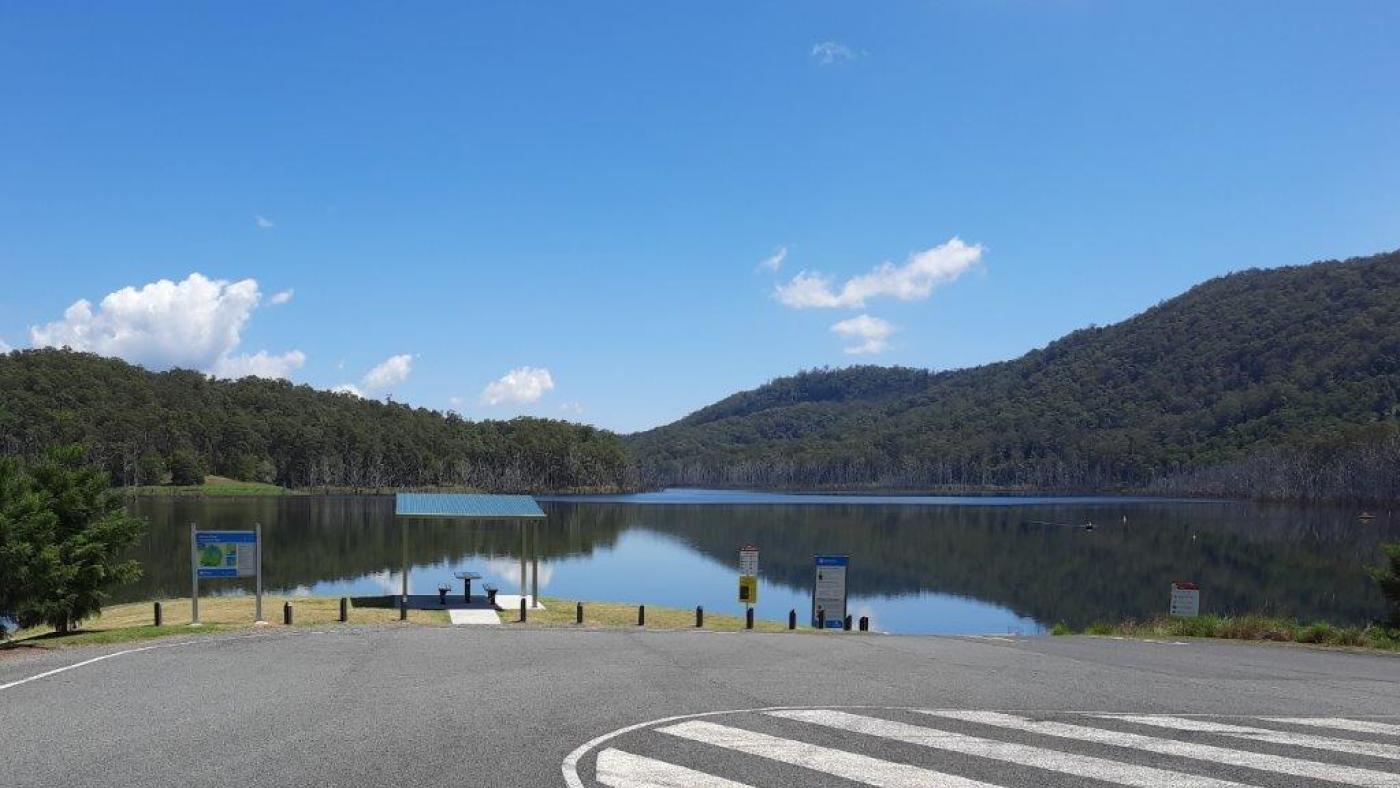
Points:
1061	629
1388	578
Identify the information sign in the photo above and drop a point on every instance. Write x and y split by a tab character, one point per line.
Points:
1186	600
748	575
829	590
226	553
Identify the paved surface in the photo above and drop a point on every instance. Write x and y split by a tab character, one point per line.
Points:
504	706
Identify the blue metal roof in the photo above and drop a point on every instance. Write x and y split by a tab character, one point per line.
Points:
491	507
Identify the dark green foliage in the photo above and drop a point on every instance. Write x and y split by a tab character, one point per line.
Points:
1388	578
272	431
185	468
150	469
1281	383
62	530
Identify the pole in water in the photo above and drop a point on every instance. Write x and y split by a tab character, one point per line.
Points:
641	615
792	619
748	618
344	610
157	613
578	612
699	616
287	613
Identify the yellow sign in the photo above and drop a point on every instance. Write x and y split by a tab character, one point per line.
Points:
748	589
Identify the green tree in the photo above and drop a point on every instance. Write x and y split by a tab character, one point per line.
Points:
185	469
1388	577
150	469
63	531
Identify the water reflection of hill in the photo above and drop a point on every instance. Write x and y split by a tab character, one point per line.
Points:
1282	559
1247	558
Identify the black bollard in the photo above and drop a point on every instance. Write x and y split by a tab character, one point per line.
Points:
792	619
157	614
748	619
865	623
522	610
699	616
344	610
287	613
641	615
846	625
403	609
821	619
578	612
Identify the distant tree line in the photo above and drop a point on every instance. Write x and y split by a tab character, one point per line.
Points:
144	428
1281	383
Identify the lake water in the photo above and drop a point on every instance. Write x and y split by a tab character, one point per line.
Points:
966	565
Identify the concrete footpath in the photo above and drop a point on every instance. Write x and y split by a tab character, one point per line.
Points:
506	706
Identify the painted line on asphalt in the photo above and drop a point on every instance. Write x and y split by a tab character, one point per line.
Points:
1294	767
56	671
1290	739
618	769
837	763
1084	766
1341	723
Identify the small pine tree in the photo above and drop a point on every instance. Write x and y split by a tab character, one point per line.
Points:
62	533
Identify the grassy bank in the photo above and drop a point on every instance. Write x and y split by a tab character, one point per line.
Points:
623	615
1248	627
214	486
130	622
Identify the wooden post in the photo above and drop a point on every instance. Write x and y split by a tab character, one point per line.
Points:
287	613
344	610
578	612
522	609
157	613
792	619
748	619
641	615
699	616
865	623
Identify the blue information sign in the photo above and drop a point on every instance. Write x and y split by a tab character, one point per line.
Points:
829	590
226	553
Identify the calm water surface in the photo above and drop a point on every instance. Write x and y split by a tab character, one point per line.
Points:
964	565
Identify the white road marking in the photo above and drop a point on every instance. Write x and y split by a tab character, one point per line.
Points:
1351	746
1022	754
1341	723
475	617
619	769
56	671
838	763
1296	767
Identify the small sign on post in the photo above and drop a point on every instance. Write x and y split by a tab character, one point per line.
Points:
748	575
1186	599
215	554
829	591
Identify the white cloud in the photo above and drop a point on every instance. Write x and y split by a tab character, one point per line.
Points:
871	334
523	385
913	281
281	297
774	261
391	371
572	408
264	223
348	388
195	324
828	52
259	364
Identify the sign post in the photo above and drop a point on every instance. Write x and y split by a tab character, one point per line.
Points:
829	590
1186	599
224	554
748	575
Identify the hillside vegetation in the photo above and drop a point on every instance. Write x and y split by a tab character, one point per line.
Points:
1279	383
146	428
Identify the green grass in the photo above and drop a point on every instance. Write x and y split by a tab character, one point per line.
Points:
132	622
213	486
623	615
1249	627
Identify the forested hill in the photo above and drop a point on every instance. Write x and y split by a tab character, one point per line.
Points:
1279	383
140	425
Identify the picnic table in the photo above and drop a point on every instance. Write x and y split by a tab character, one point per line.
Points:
466	577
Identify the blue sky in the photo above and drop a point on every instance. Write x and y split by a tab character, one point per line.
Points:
456	191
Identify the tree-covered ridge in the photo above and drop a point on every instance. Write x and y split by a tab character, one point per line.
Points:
1281	363
144	427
